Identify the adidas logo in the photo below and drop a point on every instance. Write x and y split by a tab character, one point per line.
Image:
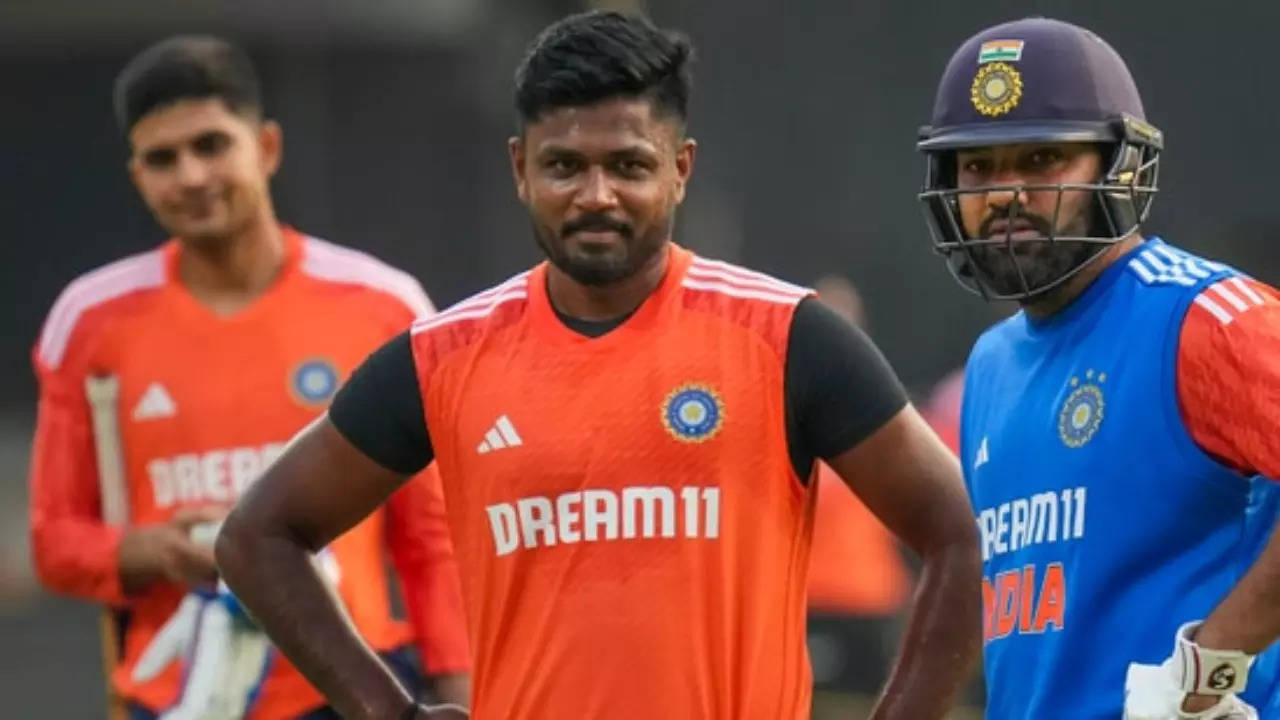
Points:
502	435
154	403
982	457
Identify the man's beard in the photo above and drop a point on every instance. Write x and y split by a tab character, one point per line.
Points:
604	268
1038	262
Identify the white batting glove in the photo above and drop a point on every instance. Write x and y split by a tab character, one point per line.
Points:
225	658
224	654
1156	692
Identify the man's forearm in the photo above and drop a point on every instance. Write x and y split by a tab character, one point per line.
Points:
1248	618
274	578
942	638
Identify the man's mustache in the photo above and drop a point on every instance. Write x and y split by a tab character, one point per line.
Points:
1037	223
596	222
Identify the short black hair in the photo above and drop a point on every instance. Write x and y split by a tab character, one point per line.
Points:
600	55
186	67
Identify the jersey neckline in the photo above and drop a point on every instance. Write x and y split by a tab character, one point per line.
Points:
293	250
547	324
1090	295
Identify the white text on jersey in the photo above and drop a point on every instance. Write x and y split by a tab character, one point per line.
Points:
216	476
1041	518
595	515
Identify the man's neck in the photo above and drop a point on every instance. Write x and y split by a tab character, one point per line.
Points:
228	275
1046	305
606	302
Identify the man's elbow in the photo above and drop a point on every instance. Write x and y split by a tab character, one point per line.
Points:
956	542
234	545
51	568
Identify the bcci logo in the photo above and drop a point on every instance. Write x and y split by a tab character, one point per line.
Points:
996	89
1083	411
314	382
693	413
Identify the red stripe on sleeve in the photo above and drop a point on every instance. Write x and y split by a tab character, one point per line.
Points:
1229	375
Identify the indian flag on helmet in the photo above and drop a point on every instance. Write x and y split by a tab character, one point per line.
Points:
992	50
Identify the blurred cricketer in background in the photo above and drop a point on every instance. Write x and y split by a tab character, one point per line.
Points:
170	379
1113	432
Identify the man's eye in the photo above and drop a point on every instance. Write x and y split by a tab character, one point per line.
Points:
632	167
159	159
1044	158
561	166
211	144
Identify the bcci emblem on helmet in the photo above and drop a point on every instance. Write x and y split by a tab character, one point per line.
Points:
996	89
1083	411
693	413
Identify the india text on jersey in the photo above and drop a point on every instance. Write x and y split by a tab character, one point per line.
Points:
1032	598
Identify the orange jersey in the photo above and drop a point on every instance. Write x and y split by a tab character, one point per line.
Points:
205	403
632	538
856	568
1229	374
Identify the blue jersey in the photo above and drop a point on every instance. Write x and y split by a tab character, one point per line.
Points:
1104	527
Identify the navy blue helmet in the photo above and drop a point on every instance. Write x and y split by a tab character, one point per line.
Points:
1031	81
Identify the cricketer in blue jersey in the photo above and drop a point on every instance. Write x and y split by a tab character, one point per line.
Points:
1117	432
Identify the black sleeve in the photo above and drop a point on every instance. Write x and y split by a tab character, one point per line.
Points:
839	388
379	409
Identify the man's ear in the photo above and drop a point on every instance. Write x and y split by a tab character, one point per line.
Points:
685	155
270	146
516	149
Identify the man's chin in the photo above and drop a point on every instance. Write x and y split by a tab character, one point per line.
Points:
594	273
596	243
1002	278
211	231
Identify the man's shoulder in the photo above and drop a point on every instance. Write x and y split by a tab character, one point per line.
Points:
330	263
760	303
1216	293
472	318
735	284
1162	265
95	295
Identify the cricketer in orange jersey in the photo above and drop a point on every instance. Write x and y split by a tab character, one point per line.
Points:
626	435
221	343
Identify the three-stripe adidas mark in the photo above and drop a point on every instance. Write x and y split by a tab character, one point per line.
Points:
155	403
502	435
1228	298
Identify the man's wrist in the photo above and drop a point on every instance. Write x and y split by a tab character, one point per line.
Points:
1207	635
136	561
394	710
1200	668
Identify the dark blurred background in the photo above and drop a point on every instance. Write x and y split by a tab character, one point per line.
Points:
396	114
